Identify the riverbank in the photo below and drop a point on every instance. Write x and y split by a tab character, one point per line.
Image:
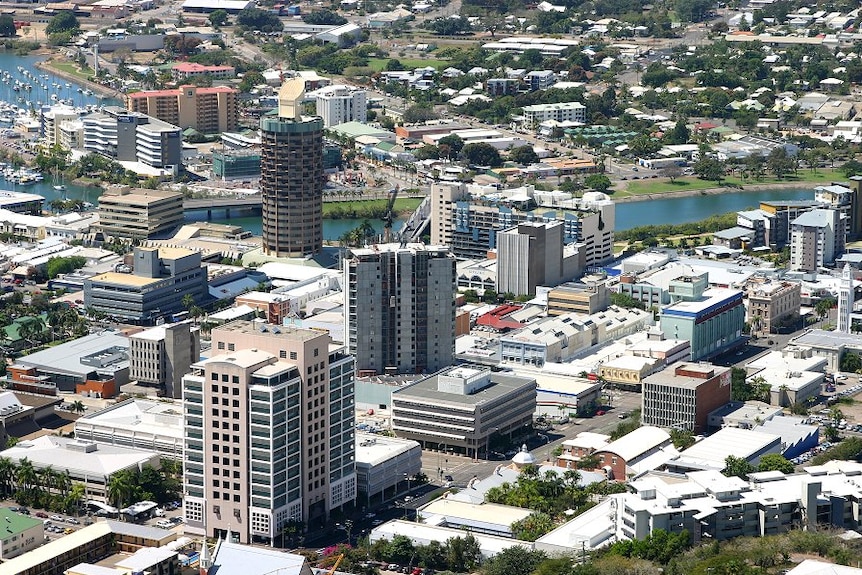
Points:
48	66
713	191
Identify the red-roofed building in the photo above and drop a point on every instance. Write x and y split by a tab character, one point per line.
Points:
207	110
186	70
498	318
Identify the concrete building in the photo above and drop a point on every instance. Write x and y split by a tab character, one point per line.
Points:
583	445
486	518
845	300
292	177
711	453
467	218
21	203
771	303
90	464
138	213
529	255
400	308
209	110
462	408
816	239
138	424
52	118
558	339
188	70
383	464
21	533
563	112
682	397
162	277
587	297
282	399
101	357
338	104
161	356
711	319
159	145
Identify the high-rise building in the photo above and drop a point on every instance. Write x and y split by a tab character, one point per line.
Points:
816	239
530	255
339	104
269	421
292	177
400	309
210	110
681	397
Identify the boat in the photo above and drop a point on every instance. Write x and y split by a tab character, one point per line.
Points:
60	188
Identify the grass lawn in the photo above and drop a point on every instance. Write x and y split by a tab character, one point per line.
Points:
71	68
402	205
379	64
663	185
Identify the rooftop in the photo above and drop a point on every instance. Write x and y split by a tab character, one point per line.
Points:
485	512
710	453
124	279
711	297
641	440
12	523
243	358
373	449
80	458
259	328
139	197
232	558
66	358
672	377
500	385
140	416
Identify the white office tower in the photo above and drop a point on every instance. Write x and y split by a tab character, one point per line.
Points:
845	299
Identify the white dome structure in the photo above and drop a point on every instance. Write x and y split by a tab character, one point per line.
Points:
523	458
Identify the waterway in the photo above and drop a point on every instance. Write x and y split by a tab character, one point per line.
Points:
332	229
684	209
37	96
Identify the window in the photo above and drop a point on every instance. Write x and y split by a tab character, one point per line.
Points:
282	354
215	387
293	355
234	379
224	377
231	347
221	345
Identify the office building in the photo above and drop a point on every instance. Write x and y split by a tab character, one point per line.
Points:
587	297
467	218
21	203
461	408
711	319
161	279
282	401
159	145
682	396
568	112
138	213
143	424
90	464
161	355
400	308
210	110
338	104
383	464
529	255
816	238
292	177
236	164
772	303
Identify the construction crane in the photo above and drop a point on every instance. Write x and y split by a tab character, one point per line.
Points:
389	217
334	567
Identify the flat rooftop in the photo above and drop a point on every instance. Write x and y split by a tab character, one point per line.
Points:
139	197
669	376
260	328
503	515
141	416
232	558
66	358
124	279
373	449
829	339
500	385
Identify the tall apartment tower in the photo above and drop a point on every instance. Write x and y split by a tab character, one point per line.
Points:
162	355
530	255
291	178
845	300
269	437
400	309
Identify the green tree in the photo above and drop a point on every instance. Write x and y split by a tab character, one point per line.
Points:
218	18
524	155
708	168
737	467
7	26
850	362
626	301
598	182
63	265
251	79
515	560
822	307
682	438
775	462
779	162
324	18
63	22
680	134
481	154
532	527
463	554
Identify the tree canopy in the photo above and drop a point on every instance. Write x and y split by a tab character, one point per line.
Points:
63	22
481	154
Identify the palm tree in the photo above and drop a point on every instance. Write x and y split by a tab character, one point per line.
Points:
75	497
26	475
31	329
7	473
78	407
120	488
